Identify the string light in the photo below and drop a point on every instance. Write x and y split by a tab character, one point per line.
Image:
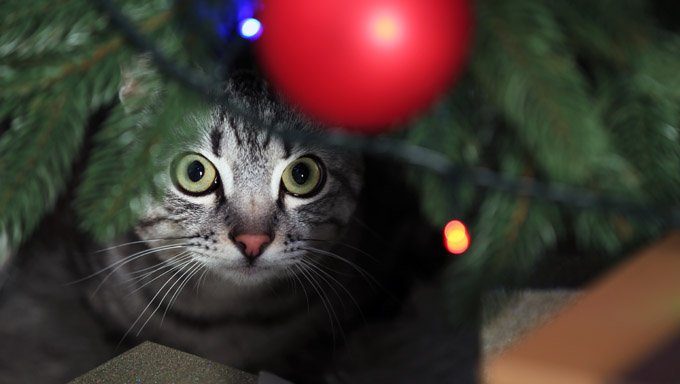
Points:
250	28
456	237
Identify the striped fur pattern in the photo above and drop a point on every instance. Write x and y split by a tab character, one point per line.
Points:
250	162
182	281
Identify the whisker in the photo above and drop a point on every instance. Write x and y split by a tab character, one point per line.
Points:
362	272
324	301
358	268
336	271
143	241
129	258
169	270
167	292
289	278
337	282
200	279
369	230
167	261
347	246
315	269
164	264
302	285
288	270
191	272
151	302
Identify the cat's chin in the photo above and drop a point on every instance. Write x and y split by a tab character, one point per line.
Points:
249	275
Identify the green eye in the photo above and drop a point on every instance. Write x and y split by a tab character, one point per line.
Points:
194	174
303	177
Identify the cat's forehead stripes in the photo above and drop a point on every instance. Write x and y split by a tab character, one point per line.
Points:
216	141
250	159
244	156
237	135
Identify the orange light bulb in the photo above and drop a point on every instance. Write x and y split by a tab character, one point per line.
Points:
456	237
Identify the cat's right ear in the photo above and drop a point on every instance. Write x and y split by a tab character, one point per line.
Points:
140	84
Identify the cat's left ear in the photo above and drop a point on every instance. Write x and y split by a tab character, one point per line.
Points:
140	84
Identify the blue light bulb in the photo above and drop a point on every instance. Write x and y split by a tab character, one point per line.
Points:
250	28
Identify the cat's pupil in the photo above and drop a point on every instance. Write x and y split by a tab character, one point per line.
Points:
195	171
300	173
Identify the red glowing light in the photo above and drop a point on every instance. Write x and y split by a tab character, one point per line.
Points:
456	237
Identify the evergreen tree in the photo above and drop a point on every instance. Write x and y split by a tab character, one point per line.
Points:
567	109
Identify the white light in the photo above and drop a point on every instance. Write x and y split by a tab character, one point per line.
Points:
250	28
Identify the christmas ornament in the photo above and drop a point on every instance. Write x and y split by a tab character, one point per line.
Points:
456	237
363	64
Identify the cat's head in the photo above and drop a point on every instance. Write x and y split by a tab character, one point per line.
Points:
246	204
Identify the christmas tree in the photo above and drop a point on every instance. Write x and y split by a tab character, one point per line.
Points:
562	130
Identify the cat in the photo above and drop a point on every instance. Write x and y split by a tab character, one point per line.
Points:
303	260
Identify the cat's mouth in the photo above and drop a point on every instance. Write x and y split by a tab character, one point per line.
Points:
245	269
249	269
249	274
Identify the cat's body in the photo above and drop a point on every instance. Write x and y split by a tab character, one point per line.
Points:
312	281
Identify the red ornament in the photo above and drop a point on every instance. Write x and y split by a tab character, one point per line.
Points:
363	64
456	237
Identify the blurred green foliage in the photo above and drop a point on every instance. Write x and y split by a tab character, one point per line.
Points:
578	92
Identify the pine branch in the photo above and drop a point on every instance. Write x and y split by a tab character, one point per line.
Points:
130	161
640	104
456	128
522	60
33	169
639	123
509	237
608	235
642	115
26	80
657	69
49	110
36	28
40	28
608	31
39	78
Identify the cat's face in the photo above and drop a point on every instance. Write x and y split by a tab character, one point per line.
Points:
247	205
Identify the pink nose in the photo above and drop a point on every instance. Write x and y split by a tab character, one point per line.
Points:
252	245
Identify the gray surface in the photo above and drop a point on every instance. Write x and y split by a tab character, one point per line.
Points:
153	363
524	311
